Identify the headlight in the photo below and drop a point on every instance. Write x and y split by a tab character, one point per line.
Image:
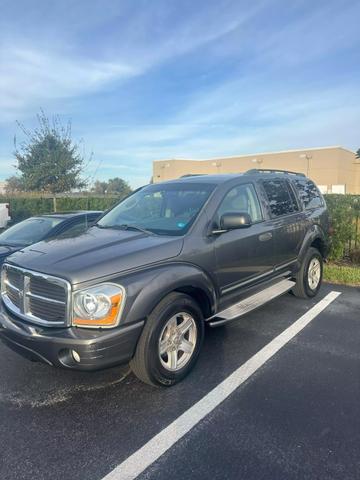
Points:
98	306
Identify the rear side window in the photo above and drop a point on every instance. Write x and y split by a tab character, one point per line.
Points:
308	193
281	200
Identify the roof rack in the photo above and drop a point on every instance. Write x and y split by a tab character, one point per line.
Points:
268	170
193	175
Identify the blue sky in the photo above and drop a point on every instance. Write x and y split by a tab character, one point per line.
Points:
146	80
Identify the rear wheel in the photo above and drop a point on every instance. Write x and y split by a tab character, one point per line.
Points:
309	277
170	342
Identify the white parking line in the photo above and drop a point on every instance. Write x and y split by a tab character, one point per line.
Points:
160	443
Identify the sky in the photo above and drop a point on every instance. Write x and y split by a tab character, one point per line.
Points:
145	80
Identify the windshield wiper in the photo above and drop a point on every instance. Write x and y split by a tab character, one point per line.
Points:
125	226
135	227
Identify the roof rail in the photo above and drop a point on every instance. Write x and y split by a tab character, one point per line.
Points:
193	175
269	170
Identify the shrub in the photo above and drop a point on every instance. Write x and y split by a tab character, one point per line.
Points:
344	213
22	207
355	257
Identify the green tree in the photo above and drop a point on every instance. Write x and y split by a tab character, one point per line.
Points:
14	184
100	187
117	186
48	160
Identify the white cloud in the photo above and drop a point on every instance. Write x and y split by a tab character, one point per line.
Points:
30	77
278	97
324	29
216	125
33	74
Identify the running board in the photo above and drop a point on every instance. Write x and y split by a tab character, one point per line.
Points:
250	303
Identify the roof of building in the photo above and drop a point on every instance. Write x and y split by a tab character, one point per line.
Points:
331	147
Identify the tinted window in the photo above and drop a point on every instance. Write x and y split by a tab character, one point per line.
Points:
293	197
308	193
29	231
241	199
281	199
165	209
74	228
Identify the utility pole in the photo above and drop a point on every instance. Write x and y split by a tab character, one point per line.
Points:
308	157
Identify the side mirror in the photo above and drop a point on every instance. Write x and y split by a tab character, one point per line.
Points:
232	221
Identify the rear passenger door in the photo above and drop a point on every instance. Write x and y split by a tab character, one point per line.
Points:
312	202
287	218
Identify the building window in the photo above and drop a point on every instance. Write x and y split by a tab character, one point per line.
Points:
338	189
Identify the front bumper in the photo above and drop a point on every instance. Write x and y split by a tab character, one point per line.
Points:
97	348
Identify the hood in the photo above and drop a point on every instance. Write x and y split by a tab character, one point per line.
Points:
97	253
5	251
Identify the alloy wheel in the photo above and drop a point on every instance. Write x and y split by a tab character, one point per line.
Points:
177	341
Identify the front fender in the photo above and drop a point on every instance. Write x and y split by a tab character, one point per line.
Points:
146	289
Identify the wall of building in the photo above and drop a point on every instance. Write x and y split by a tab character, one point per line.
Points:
327	166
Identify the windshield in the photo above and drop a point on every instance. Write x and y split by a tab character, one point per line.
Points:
164	209
29	231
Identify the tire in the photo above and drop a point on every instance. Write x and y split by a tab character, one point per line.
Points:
307	286
174	313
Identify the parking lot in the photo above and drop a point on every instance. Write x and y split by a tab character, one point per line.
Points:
297	416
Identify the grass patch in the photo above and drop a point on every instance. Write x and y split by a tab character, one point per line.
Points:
342	274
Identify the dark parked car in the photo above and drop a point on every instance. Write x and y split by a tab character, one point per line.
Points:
44	227
142	283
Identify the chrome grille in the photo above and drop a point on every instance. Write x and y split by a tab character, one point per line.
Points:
41	287
53	312
15	278
14	296
36	297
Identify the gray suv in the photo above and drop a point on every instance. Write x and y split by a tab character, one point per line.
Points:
141	284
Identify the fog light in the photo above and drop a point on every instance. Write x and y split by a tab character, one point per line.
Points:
75	356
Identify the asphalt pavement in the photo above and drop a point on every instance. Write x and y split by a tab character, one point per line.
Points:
296	417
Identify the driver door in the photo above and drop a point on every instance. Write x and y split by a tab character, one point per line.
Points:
245	254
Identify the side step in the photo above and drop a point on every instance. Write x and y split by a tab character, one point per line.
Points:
251	303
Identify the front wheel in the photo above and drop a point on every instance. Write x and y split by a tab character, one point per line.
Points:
309	277
170	342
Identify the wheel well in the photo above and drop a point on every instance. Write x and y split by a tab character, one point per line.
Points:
200	297
319	245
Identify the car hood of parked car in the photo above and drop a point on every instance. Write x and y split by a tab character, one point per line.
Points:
6	250
97	253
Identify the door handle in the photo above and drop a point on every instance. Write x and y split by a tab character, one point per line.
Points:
264	237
